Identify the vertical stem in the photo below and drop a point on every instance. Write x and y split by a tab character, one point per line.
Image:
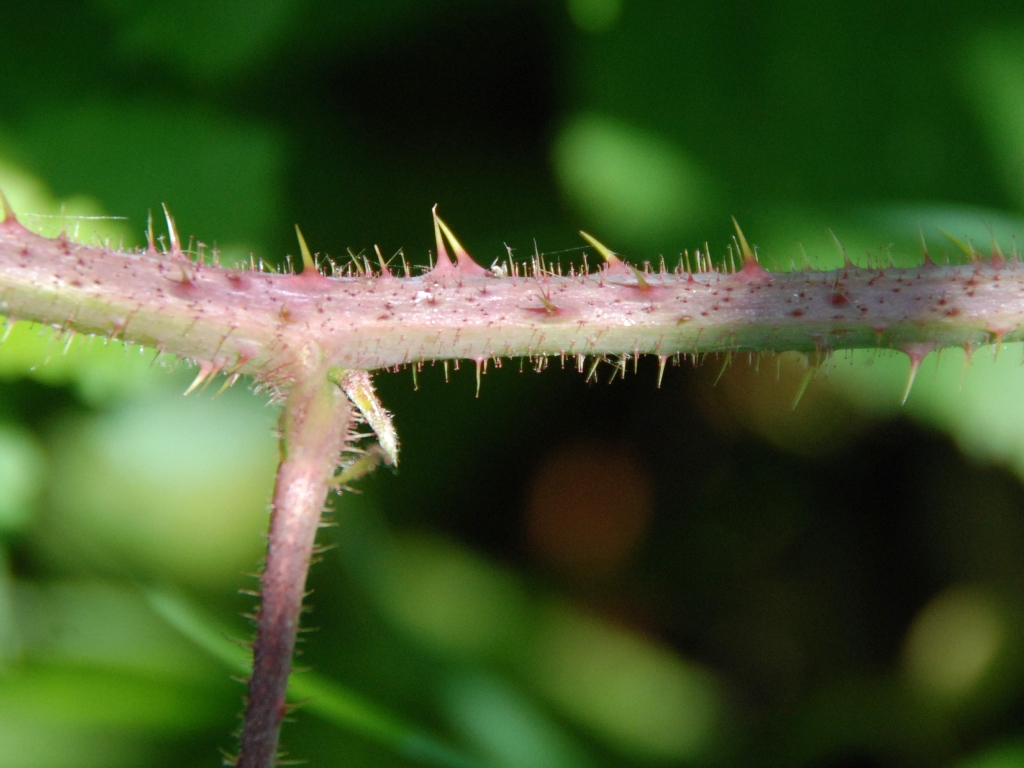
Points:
314	424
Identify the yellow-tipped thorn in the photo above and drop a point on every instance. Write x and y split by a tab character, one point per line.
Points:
462	258
752	269
725	365
5	205
212	375
997	252
641	281
172	231
614	262
924	247
384	271
915	364
745	249
444	263
808	377
662	359
967	249
549	306
229	381
150	237
308	265
205	369
916	353
842	251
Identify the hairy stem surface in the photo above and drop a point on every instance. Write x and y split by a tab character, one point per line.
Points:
314	424
240	321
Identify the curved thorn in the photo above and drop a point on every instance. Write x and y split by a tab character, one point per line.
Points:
997	252
748	253
308	265
150	237
384	271
213	374
846	259
641	281
725	364
811	371
967	249
444	263
172	231
916	353
924	247
752	269
462	258
10	219
915	365
615	264
205	369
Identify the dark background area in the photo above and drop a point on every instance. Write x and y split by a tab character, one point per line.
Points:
564	571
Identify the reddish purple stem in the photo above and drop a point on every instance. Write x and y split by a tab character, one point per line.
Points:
314	424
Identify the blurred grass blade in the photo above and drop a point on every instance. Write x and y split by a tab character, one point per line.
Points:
322	697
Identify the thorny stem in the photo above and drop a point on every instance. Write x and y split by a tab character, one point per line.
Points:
260	324
314	424
312	339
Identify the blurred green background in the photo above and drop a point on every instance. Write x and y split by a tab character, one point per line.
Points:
561	573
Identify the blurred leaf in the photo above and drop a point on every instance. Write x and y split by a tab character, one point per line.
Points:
79	216
994	74
101	626
1004	756
976	225
595	15
32	744
628	182
508	727
104	699
977	404
638	696
100	370
22	469
10	635
954	643
206	40
220	176
92	676
449	597
165	486
317	695
866	716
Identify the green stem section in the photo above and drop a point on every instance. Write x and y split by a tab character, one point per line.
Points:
314	423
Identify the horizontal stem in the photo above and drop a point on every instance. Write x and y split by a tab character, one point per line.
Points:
274	326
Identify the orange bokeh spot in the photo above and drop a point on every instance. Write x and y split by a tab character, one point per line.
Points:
588	507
